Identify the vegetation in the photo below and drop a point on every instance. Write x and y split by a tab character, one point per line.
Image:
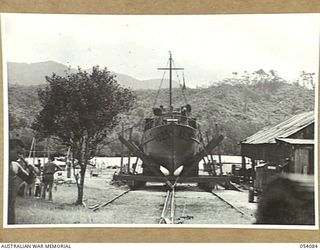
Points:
80	109
240	105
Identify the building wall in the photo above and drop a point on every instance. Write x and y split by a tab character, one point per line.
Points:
306	133
303	161
265	152
301	157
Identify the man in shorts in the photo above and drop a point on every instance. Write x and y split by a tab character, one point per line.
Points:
48	171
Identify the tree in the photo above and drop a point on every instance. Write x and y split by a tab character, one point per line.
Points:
306	80
80	109
16	122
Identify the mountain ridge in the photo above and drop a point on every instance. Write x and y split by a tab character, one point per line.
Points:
31	74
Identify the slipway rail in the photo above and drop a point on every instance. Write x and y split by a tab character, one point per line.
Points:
168	211
98	205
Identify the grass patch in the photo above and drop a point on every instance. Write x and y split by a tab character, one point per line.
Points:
62	210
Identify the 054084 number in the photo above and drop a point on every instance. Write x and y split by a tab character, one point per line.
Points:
310	245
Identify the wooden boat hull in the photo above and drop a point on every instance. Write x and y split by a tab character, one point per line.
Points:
171	145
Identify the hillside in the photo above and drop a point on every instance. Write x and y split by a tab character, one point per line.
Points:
239	110
34	74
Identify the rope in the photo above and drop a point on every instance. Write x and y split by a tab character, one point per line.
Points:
155	100
182	91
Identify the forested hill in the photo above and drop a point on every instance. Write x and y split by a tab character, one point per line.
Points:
239	110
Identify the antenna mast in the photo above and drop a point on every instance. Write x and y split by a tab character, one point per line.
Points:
170	77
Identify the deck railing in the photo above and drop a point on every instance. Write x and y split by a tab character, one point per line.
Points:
171	118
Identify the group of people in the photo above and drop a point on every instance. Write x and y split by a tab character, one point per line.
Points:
22	173
43	179
47	178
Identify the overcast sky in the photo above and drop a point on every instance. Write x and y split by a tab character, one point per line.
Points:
209	47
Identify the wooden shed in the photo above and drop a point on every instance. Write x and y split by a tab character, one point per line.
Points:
300	154
289	143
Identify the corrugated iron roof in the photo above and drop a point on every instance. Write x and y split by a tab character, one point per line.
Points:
297	141
282	130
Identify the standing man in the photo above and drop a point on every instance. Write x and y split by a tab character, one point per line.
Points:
48	171
39	165
38	180
16	151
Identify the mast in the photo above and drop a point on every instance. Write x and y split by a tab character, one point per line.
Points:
170	77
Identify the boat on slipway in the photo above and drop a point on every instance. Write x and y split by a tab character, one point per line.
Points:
172	136
171	141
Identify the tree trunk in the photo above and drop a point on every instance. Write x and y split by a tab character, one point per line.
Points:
76	155
81	184
83	160
80	194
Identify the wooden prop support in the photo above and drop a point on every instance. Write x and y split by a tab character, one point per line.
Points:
129	156
211	157
148	162
208	148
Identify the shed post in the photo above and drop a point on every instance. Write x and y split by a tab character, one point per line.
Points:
233	169
243	165
121	161
253	163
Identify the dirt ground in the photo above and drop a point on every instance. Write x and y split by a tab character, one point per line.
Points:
194	207
239	200
136	207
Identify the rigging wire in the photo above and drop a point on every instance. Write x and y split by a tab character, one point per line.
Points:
180	85
155	100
